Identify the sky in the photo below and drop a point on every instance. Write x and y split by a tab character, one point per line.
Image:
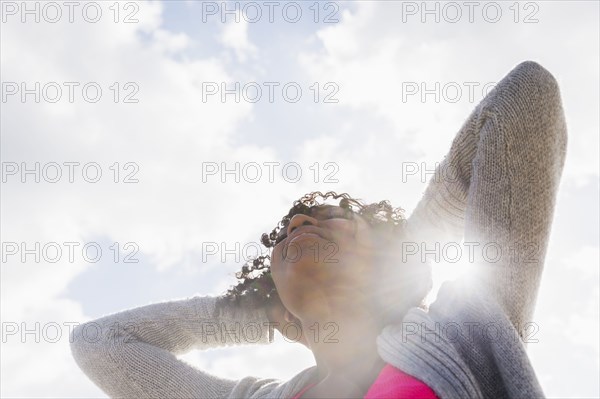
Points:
134	132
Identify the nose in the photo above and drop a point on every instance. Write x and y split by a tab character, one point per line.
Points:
300	220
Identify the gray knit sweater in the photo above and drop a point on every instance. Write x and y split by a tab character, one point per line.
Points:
507	161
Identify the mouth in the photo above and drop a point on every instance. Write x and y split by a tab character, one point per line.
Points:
308	234
294	246
301	236
304	232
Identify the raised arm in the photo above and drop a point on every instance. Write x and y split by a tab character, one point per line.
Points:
497	186
133	353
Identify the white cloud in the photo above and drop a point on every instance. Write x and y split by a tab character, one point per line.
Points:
568	325
169	133
235	36
374	57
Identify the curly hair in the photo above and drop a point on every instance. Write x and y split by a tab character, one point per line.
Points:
256	287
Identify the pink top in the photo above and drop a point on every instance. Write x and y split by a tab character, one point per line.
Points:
392	383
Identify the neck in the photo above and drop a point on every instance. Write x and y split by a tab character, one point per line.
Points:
345	349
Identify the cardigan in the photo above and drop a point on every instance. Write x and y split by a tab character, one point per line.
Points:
507	160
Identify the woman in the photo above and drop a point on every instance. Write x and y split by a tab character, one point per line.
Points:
336	273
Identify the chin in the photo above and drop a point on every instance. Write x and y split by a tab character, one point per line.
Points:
304	249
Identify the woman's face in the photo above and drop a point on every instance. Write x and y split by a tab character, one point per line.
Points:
323	261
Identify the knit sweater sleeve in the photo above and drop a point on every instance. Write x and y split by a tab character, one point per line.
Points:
133	353
496	188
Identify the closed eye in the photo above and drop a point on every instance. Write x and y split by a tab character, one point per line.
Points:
337	213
